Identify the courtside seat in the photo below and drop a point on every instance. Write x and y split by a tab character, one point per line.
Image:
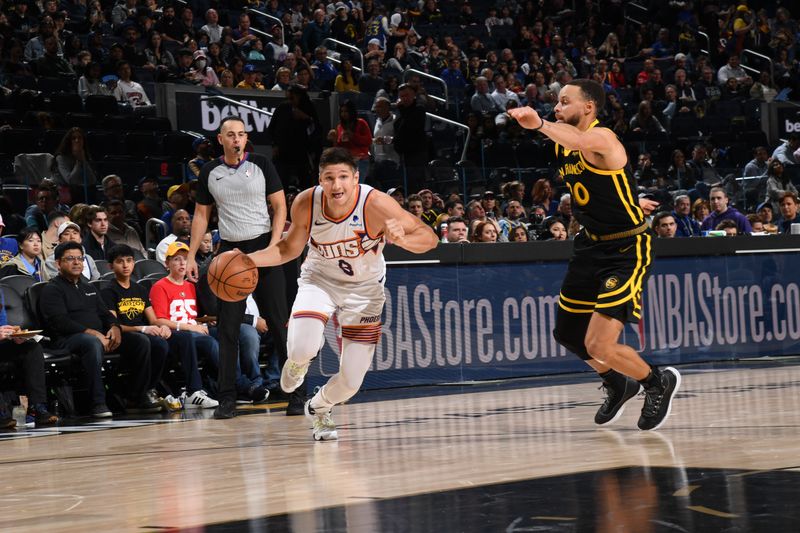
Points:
147	267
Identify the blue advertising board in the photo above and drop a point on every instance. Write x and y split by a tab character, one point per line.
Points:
450	324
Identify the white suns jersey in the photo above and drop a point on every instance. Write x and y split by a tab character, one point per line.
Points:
341	250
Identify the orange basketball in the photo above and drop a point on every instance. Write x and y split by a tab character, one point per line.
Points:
232	276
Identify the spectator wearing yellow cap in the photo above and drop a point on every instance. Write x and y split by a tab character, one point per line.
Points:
177	198
174	302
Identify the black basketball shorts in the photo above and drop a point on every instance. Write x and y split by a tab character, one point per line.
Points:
608	277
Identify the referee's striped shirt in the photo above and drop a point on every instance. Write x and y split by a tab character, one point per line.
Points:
240	193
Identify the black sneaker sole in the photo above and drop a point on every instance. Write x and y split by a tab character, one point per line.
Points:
620	410
671	396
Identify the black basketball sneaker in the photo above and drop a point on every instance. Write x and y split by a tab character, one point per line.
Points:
658	397
619	389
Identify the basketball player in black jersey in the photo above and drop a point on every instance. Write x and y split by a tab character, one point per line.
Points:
612	256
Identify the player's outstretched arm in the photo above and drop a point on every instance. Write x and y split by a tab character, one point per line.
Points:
291	246
600	141
385	215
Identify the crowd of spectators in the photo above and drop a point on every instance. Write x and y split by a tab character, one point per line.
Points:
678	95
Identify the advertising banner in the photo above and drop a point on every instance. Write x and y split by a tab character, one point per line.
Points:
788	121
451	324
194	112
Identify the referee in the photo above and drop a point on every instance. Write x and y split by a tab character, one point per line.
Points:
239	184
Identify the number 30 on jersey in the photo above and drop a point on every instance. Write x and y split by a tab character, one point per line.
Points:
579	193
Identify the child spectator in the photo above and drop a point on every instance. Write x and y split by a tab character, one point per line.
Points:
174	301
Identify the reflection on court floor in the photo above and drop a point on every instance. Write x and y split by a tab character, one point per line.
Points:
522	455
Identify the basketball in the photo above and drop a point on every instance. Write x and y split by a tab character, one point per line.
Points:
232	276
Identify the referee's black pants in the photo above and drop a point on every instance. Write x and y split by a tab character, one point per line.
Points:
270	296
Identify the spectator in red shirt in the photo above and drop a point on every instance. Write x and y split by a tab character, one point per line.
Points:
354	134
644	76
174	301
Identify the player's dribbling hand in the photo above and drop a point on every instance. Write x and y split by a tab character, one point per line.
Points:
526	116
394	231
647	205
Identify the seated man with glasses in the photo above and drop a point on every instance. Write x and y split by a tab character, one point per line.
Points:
37	214
75	317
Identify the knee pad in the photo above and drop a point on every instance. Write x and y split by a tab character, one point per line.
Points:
570	332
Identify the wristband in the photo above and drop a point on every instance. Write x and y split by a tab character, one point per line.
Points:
144	329
540	125
179	326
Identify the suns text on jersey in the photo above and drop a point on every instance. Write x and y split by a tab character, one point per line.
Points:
358	245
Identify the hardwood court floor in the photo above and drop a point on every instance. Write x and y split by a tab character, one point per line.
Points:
511	456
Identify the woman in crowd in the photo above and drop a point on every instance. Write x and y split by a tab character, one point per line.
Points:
226	79
518	234
158	58
354	134
700	210
346	80
489	204
228	49
283	79
541	87
644	121
484	232
74	165
203	73
91	83
677	171
616	76
764	89
399	59
215	61
256	52
778	183
610	49
554	230
29	260
236	66
542	194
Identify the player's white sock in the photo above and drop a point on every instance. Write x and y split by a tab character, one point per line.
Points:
355	362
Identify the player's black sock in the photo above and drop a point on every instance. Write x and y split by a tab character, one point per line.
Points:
614	379
653	379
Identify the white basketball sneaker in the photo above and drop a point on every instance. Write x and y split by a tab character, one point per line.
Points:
322	423
200	400
292	375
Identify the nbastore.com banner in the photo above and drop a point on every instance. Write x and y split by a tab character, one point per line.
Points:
450	324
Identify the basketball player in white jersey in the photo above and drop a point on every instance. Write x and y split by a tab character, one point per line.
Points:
345	226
